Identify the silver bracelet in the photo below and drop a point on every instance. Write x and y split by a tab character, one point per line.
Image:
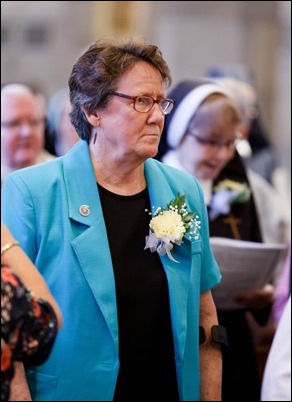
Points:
7	246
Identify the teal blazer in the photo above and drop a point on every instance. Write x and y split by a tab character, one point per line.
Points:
54	211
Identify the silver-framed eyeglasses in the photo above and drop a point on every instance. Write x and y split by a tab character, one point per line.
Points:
144	104
212	143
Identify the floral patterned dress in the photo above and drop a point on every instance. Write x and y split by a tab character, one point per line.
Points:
28	328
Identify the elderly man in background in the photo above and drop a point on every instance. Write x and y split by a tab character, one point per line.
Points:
22	128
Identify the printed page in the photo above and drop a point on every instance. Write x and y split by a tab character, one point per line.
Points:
244	266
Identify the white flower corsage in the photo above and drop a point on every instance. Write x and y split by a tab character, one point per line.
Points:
226	193
169	226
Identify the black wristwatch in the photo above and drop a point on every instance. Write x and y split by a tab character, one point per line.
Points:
218	334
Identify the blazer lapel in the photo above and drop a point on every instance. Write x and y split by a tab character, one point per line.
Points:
178	274
91	244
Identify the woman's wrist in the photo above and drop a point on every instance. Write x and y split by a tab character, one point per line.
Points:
8	245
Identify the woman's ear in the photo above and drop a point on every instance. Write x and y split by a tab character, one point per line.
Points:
93	118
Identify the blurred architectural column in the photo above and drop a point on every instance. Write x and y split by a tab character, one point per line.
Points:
120	18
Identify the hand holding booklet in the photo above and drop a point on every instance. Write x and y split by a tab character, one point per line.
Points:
244	266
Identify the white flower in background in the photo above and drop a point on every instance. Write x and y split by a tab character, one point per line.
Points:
226	193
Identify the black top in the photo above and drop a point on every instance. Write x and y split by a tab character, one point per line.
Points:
147	366
244	213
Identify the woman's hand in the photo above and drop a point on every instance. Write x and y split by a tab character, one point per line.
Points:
257	299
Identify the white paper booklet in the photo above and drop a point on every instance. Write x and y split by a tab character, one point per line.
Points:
244	266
